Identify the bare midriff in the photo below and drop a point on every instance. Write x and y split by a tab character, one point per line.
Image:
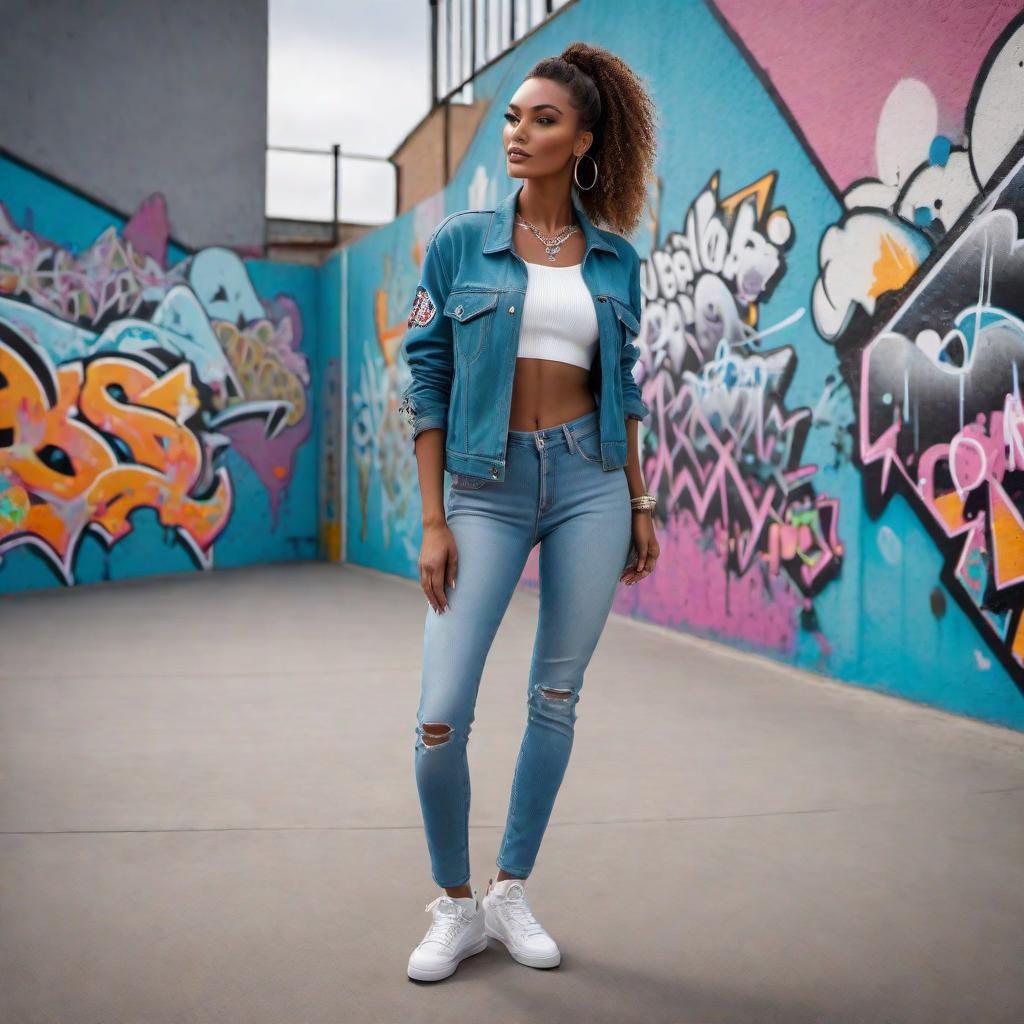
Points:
546	392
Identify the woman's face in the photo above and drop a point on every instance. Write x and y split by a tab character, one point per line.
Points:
541	122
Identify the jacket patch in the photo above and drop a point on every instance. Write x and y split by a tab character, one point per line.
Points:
423	309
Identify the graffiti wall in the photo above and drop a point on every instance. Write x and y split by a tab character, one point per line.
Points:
940	418
735	448
831	341
157	406
382	487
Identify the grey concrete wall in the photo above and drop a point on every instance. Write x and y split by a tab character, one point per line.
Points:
125	98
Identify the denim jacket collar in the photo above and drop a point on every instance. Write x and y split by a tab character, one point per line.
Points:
499	232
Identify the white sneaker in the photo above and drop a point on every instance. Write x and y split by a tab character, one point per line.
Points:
457	931
508	918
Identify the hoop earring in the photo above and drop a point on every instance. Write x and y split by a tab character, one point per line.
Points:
577	180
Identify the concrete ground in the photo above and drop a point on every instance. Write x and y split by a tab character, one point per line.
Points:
208	813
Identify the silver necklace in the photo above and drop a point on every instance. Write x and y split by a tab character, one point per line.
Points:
553	242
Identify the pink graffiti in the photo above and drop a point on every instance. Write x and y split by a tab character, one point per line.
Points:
808	540
699	467
694	587
979	455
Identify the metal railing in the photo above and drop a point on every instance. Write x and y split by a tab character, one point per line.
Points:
475	33
465	36
336	155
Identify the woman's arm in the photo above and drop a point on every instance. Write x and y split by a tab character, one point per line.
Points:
439	555
633	468
428	352
644	537
428	345
430	466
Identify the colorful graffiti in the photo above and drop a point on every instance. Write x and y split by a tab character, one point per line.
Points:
382	456
939	409
124	382
926	181
940	404
721	442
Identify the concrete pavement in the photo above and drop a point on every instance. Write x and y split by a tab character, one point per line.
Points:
208	814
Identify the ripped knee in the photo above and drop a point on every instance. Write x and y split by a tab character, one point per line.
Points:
555	694
435	733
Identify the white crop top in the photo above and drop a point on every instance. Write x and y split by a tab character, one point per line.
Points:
559	320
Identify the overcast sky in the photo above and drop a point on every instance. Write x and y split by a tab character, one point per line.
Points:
349	72
356	73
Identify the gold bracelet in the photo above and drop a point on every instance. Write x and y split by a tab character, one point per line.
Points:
643	502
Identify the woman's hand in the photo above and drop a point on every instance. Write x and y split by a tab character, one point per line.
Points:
646	545
439	561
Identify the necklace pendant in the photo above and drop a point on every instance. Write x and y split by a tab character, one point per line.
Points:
553	243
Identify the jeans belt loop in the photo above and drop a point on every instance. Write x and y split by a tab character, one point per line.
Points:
568	436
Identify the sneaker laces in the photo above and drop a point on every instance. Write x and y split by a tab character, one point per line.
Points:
447	921
519	911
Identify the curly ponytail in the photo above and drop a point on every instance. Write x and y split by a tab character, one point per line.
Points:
612	103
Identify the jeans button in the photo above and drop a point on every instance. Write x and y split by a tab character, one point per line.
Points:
511	309
494	471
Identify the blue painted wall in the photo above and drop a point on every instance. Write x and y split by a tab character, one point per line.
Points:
828	570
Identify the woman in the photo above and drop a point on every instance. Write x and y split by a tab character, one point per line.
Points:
519	344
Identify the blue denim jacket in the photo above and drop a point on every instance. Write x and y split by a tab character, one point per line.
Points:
463	335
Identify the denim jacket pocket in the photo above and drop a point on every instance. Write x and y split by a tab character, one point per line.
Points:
632	402
625	314
471	327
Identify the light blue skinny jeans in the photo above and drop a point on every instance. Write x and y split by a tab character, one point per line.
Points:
555	493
